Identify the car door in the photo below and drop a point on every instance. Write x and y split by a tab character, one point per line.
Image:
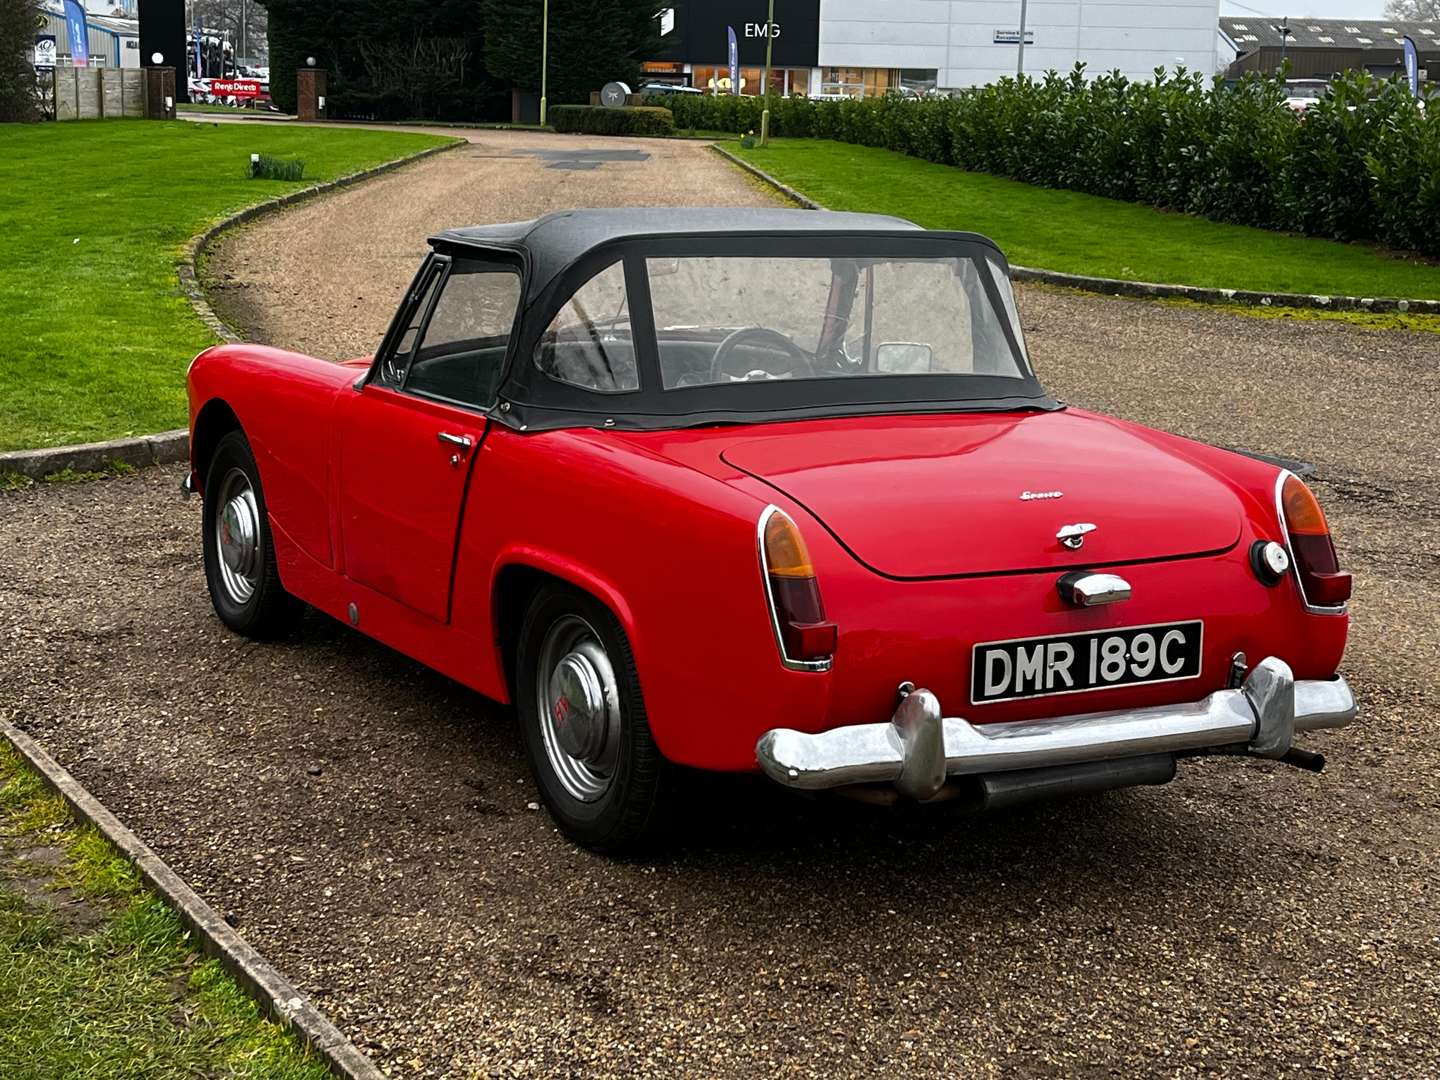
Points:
410	433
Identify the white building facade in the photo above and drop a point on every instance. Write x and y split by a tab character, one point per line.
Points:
860	48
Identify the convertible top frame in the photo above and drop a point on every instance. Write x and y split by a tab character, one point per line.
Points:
560	252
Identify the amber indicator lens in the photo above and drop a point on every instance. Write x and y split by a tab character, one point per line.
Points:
799	611
1316	566
785	552
1303	516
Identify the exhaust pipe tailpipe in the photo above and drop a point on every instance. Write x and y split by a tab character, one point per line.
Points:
999	791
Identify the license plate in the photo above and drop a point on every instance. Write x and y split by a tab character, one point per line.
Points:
1074	663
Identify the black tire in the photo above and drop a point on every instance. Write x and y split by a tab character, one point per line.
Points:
268	611
634	808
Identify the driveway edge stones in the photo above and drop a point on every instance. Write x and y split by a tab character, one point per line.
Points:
1150	289
274	994
139	450
167	447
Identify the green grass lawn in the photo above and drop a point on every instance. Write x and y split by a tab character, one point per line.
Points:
95	334
1085	234
97	976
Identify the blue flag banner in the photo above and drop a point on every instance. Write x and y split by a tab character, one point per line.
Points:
1412	66
734	62
78	34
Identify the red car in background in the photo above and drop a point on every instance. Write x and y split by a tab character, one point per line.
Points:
767	490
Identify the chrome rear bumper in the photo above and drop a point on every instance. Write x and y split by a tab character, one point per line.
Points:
919	748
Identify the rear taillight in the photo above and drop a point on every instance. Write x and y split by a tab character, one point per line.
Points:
806	640
1322	583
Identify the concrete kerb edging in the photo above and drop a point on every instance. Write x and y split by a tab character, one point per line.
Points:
172	446
139	451
1149	289
275	995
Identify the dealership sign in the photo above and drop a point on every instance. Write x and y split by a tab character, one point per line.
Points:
793	34
1012	37
235	88
45	51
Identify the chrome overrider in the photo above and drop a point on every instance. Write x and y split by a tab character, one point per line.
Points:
919	748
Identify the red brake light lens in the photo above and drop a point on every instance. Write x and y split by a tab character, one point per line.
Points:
1317	569
805	635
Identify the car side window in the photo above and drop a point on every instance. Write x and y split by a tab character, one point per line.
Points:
589	344
461	353
392	371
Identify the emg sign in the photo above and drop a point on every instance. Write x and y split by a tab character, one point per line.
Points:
793	34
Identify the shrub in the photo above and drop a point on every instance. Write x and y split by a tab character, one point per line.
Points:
1361	164
598	120
353	104
269	167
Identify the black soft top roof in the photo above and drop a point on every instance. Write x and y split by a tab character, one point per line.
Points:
557	240
561	251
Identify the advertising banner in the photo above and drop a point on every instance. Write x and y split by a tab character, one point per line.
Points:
1412	66
79	36
44	52
234	88
734	62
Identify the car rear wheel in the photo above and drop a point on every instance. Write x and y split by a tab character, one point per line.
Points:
240	567
584	725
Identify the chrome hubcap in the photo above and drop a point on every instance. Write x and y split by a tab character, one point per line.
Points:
579	706
237	537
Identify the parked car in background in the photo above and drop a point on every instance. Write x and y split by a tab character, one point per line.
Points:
767	490
1300	94
667	88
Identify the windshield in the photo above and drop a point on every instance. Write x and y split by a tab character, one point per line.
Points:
732	319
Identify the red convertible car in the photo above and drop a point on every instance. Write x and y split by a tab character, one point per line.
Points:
767	490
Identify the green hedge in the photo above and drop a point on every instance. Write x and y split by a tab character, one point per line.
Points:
1362	164
598	120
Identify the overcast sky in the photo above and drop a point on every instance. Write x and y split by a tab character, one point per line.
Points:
1325	9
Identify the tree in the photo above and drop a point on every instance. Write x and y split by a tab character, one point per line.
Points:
1414	10
243	20
19	22
592	42
362	43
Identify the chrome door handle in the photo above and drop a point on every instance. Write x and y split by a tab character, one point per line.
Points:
463	441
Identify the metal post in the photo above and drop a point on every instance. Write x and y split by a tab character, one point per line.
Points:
1020	54
544	55
1284	40
765	88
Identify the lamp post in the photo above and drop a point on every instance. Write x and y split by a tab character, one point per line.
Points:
544	54
1285	32
765	85
1020	53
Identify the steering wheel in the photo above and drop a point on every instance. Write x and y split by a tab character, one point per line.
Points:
758	335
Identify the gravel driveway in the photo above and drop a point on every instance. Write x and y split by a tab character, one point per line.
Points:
369	825
324	276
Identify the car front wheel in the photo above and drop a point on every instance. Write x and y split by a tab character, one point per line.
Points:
584	725
240	567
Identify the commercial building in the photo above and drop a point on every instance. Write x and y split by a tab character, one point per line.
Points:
1322	48
860	48
112	40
